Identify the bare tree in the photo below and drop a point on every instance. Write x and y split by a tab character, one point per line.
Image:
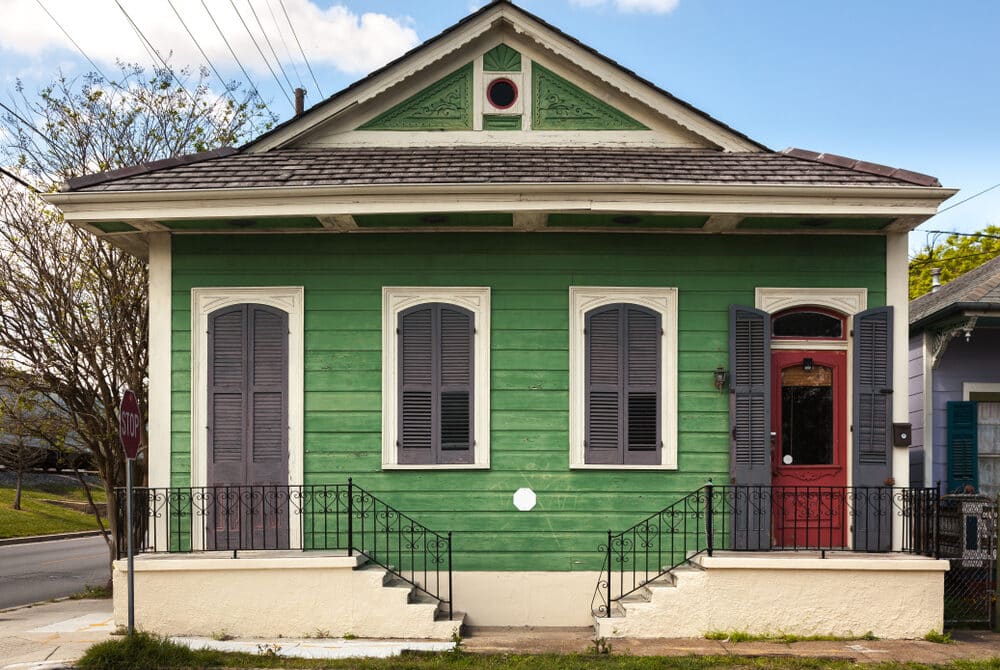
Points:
73	311
20	449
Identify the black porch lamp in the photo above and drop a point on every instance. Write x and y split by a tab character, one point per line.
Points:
720	378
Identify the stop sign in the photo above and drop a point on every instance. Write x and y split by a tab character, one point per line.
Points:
128	424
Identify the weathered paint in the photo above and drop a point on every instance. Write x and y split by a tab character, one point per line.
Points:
529	277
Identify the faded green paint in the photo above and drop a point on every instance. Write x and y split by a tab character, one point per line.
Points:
793	223
433	220
501	58
558	104
529	276
501	122
624	221
444	105
244	224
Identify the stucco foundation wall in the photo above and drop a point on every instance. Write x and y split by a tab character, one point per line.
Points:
270	597
525	598
889	597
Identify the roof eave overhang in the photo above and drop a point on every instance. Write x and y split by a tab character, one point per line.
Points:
908	205
953	310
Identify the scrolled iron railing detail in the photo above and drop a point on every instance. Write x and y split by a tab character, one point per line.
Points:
765	518
341	517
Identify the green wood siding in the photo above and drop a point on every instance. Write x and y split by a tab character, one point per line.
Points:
529	276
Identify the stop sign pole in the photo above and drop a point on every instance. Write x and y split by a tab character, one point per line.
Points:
129	422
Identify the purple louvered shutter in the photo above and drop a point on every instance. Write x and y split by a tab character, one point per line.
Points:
456	377
622	380
267	402
872	428
227	345
750	419
436	368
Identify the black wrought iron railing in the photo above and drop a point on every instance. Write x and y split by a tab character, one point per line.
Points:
765	518
332	517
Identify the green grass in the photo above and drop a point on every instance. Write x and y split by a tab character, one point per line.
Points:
741	636
938	638
41	518
144	651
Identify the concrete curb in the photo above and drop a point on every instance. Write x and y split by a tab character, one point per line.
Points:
47	538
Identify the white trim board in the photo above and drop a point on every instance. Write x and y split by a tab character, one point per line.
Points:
663	301
968	388
204	301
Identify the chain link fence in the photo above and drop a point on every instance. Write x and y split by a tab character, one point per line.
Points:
968	539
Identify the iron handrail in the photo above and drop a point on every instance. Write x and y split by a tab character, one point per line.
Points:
739	518
331	517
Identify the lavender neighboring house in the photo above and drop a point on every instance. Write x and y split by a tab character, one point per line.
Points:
955	383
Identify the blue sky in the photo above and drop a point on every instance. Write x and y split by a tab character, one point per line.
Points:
908	83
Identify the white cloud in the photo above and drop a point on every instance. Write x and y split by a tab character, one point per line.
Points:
646	6
335	36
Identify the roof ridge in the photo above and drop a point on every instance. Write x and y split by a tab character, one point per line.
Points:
909	176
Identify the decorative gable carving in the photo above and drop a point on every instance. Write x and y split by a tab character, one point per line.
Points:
502	58
444	105
561	105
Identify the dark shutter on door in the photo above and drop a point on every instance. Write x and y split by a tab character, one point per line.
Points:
750	424
248	395
622	380
436	376
872	429
750	395
963	446
268	395
226	395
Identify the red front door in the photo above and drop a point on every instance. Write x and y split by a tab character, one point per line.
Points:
808	424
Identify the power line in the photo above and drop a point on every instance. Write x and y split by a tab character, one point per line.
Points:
301	50
20	181
947	232
78	47
225	85
233	53
284	42
28	123
270	46
261	52
170	70
960	202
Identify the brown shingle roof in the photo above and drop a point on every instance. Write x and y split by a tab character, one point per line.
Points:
980	285
486	164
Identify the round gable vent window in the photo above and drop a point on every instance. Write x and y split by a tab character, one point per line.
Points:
502	93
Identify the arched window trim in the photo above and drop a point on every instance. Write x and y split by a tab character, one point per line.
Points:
811	309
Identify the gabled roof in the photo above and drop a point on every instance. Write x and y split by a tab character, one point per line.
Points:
462	32
977	289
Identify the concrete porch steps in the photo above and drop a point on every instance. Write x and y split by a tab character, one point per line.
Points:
418	603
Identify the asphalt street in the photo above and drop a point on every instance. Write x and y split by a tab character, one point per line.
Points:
40	571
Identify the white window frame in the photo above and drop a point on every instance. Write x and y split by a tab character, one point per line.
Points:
204	301
476	299
663	301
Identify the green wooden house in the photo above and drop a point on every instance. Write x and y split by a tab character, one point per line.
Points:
519	295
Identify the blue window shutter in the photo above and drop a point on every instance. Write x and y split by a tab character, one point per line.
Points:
963	446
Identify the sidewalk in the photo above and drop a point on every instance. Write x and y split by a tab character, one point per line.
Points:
53	635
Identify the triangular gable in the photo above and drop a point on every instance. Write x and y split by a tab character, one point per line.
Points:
561	85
